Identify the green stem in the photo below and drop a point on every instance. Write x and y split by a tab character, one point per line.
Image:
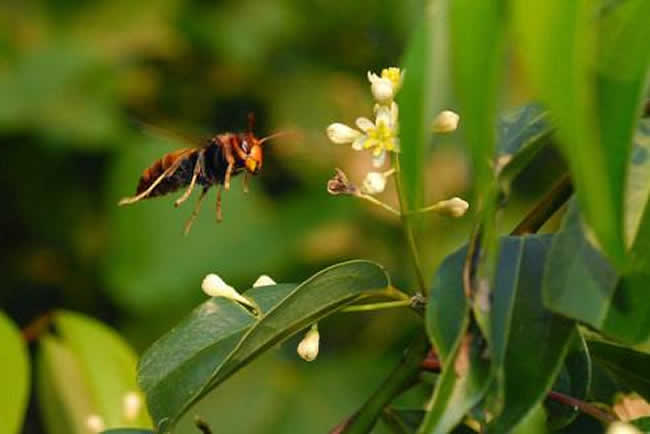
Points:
376	201
408	228
376	306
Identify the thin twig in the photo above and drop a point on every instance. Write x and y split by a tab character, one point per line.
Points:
544	210
583	406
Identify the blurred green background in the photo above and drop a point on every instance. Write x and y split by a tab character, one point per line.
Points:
76	76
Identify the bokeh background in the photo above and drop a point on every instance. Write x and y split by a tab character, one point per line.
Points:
77	77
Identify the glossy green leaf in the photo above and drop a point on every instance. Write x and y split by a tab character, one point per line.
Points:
574	380
108	366
525	384
569	89
447	322
535	422
422	96
14	376
580	283
628	369
523	133
221	336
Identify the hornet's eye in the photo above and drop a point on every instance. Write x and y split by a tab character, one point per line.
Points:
245	146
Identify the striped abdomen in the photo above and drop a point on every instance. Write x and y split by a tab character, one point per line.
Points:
185	159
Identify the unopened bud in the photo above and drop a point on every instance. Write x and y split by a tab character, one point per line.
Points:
454	207
342	134
446	122
263	280
214	286
308	347
374	183
131	405
382	88
95	423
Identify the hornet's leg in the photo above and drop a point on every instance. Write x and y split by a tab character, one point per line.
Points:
197	170
197	208
230	159
219	216
129	200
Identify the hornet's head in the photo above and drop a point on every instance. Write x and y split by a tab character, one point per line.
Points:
252	147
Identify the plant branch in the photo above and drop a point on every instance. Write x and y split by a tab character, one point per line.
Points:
377	306
544	210
402	377
408	228
583	406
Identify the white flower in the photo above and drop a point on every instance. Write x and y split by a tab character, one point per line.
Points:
446	122
263	280
95	423
622	428
131	405
308	347
454	207
385	87
374	183
214	286
379	136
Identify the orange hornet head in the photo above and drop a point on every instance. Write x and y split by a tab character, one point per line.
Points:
254	158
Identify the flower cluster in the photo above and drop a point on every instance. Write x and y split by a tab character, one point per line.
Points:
382	135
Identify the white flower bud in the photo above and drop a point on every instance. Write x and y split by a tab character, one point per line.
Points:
446	122
95	423
382	88
131	405
308	347
342	134
454	207
622	428
263	280
374	183
214	286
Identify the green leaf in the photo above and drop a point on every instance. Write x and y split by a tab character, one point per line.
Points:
569	88
580	283
447	322
14	376
422	96
108	366
574	380
523	133
63	395
642	423
127	431
220	336
628	369
530	324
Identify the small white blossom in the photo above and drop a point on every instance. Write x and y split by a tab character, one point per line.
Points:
308	347
374	183
454	207
446	122
622	428
379	136
214	286
131	405
263	280
95	423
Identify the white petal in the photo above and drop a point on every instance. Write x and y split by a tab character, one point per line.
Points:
365	124
384	116
446	122
372	77
341	133
379	160
263	280
374	183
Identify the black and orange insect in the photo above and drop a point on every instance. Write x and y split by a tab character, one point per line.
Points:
213	163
